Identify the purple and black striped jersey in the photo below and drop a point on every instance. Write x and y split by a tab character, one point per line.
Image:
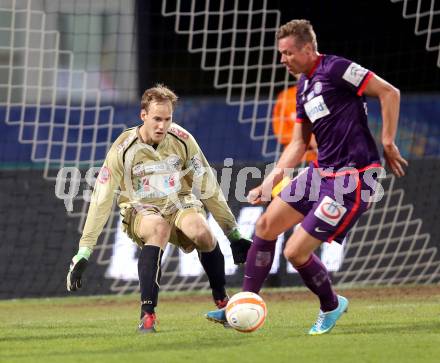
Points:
331	98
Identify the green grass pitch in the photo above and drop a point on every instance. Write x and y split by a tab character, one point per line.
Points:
382	325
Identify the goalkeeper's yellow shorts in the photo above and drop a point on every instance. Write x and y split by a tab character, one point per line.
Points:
132	219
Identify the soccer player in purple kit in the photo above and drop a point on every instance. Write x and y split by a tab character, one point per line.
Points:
331	104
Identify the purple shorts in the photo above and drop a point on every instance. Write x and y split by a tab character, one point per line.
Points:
331	205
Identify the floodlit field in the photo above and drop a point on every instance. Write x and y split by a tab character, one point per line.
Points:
382	325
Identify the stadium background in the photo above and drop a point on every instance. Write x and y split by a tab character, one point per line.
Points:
71	74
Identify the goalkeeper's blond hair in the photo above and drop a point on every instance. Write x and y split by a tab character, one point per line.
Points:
158	93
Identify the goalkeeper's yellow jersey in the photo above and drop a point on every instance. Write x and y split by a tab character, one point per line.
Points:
161	176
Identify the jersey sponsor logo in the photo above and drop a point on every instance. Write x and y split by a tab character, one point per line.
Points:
317	88
170	164
126	142
316	108
354	74
319	230
144	184
104	175
144	168
169	181
330	211
310	95
173	161
180	133
158	185
197	166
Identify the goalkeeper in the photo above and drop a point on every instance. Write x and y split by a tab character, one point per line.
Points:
156	166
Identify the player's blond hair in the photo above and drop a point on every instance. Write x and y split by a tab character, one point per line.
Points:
158	93
301	29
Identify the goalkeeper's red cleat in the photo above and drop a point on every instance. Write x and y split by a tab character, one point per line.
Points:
148	323
221	303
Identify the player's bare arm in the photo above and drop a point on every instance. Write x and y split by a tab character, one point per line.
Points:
290	157
389	98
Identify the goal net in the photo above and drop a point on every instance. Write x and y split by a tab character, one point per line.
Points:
69	84
426	15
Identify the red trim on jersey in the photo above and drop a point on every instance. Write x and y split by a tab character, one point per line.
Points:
364	83
299	120
315	65
346	172
350	215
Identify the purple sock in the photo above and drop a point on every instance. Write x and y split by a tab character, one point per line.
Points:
317	279
258	263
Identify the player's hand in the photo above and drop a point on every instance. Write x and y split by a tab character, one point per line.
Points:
394	160
77	267
254	196
239	246
263	193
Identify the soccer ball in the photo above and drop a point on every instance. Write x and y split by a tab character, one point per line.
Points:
246	312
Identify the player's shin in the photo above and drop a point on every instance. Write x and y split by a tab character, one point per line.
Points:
213	263
258	263
317	279
149	269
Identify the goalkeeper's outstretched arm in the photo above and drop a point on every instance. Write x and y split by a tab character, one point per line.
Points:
106	184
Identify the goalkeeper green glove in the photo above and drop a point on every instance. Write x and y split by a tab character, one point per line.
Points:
239	246
77	267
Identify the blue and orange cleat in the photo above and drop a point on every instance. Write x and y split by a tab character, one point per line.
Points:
148	323
327	320
218	316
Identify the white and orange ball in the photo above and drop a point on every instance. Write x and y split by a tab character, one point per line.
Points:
246	312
